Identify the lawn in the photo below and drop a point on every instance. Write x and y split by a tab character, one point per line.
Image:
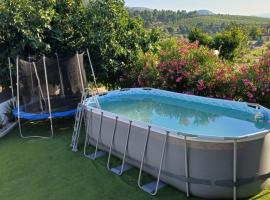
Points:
35	169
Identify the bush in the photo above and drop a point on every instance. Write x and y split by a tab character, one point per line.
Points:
197	34
254	81
193	69
231	42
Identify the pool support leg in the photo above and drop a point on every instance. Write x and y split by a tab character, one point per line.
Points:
97	153
119	170
153	187
234	169
186	167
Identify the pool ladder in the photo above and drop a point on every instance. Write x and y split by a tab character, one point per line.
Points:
79	117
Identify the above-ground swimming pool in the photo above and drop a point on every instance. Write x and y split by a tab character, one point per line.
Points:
206	147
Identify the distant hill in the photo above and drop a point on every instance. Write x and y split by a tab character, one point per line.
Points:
267	15
205	12
139	8
182	22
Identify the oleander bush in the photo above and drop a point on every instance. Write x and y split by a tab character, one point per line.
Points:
189	68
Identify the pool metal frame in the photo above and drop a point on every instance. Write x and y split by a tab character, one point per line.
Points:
153	188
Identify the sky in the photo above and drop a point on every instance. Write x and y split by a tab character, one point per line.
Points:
236	7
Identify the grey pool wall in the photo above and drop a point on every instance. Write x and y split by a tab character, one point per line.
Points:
204	167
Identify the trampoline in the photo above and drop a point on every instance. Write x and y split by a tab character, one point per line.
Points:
49	88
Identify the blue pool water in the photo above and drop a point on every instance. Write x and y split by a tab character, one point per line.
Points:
183	116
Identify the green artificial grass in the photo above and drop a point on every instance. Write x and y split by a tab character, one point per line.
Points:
40	169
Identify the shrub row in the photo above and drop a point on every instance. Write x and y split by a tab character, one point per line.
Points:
186	67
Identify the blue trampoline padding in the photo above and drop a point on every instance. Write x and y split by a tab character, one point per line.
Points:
33	116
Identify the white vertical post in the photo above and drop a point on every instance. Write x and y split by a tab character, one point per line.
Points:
87	131
92	70
11	82
48	94
80	70
18	96
60	74
186	167
234	169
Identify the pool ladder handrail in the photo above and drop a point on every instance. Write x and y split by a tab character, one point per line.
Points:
78	121
123	167
160	165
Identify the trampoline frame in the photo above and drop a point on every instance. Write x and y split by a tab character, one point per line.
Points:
19	114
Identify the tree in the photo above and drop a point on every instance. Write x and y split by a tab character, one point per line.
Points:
29	27
255	33
197	34
231	42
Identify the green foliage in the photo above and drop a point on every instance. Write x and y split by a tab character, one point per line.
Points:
197	34
29	27
231	42
255	33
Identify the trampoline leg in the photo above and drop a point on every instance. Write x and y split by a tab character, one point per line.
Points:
51	124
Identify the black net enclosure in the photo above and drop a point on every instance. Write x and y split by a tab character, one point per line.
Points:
50	85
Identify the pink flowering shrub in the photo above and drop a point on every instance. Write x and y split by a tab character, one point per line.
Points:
189	68
254	81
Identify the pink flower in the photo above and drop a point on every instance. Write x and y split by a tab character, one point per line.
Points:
246	82
178	80
250	96
201	85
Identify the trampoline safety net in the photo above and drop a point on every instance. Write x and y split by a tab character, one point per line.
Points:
65	79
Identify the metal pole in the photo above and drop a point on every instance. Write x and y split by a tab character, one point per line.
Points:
31	75
87	135
234	169
39	86
186	167
112	140
92	70
143	156
126	147
161	162
80	70
48	94
81	116
60	74
18	96
11	82
99	134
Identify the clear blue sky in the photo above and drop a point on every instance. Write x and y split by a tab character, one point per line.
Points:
238	7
